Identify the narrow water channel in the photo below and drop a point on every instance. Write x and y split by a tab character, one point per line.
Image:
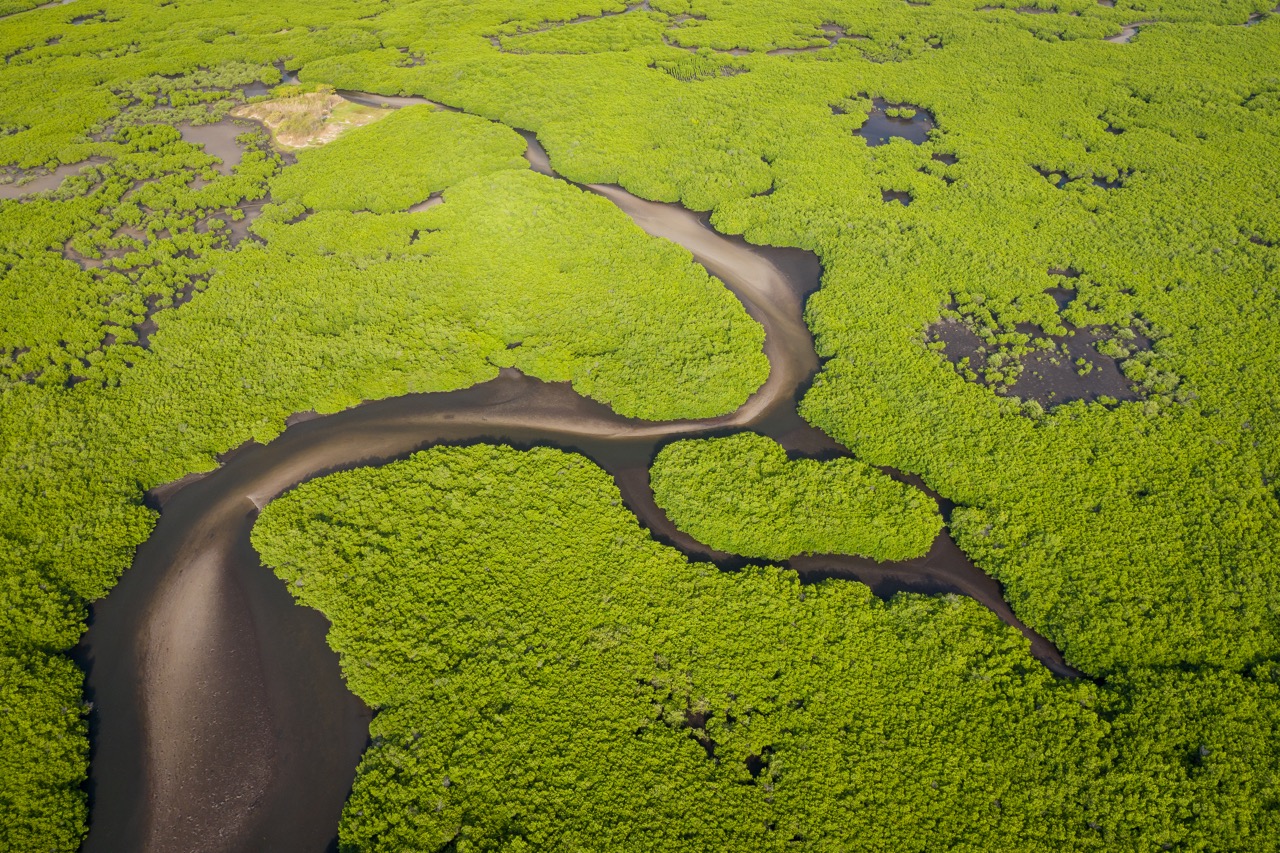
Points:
220	719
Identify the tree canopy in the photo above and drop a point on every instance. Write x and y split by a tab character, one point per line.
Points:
546	676
164	298
741	495
381	167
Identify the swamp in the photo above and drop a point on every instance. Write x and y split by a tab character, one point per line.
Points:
674	425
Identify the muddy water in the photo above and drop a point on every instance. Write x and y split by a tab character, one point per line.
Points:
218	140
221	721
430	202
46	181
1127	32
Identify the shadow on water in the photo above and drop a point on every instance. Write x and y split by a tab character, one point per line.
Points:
880	126
221	721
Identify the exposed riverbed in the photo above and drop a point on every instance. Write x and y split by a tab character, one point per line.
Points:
221	720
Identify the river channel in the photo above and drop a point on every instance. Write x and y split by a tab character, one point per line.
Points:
221	722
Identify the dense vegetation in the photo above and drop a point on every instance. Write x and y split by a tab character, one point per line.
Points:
1143	538
742	495
382	169
172	330
548	677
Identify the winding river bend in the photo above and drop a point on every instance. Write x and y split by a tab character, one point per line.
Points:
221	722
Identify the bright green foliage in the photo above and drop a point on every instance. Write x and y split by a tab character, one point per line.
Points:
11	7
647	311
741	495
331	310
336	309
515	269
45	754
398	161
136	231
600	35
1146	533
548	677
698	66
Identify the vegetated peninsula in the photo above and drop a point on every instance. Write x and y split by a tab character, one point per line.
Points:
1049	247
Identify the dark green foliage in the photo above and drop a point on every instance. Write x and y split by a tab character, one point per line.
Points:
741	495
1195	759
547	677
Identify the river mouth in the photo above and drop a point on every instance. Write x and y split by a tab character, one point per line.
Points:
221	721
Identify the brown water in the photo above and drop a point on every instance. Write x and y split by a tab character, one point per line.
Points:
44	181
1050	377
1127	32
430	202
218	140
221	722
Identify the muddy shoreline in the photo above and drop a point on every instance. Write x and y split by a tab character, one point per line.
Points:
221	722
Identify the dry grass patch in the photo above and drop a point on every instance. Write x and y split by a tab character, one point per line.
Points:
308	119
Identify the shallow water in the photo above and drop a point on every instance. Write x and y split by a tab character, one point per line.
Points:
46	181
1050	377
428	203
880	127
372	99
1127	32
218	140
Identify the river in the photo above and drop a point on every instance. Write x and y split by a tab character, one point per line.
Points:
220	720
